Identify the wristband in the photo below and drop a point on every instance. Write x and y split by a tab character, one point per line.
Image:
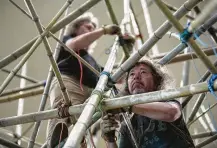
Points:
104	30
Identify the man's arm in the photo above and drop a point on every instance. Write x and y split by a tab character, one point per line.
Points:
164	111
84	40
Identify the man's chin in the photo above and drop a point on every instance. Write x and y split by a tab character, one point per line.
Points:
138	91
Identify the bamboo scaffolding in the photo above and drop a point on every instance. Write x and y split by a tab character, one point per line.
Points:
211	30
136	27
34	46
21	76
203	113
196	107
23	95
172	8
108	104
60	24
64	46
213	138
18	89
182	46
191	41
155	50
114	21
53	64
84	120
8	143
203	135
188	5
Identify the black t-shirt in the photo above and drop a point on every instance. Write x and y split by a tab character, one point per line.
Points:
155	134
69	65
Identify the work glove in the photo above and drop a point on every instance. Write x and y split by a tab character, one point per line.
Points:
108	126
111	29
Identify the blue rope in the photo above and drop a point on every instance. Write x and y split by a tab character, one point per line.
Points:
185	35
105	73
211	83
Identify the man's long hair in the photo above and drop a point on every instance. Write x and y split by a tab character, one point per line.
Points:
74	25
162	78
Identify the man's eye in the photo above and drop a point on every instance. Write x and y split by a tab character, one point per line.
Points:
143	72
131	74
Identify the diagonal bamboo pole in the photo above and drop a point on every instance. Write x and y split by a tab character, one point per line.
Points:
109	104
53	64
150	29
203	113
18	89
21	76
188	5
84	120
196	107
191	41
172	8
203	135
181	46
25	48
114	21
202	144
22	95
35	45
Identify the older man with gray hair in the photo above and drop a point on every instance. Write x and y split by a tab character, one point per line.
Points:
155	125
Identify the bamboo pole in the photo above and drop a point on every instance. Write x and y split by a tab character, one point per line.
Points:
8	143
18	89
196	107
136	27
172	8
203	135
35	45
155	50
203	113
114	21
21	76
23	95
60	42
84	120
191	41
60	24
213	138
108	104
52	60
188	5
181	46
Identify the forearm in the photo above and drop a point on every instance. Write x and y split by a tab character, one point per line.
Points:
163	111
84	40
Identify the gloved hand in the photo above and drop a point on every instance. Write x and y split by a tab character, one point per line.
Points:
111	29
108	126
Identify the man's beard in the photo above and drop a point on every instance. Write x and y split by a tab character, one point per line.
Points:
138	91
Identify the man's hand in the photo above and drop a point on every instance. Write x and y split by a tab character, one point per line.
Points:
111	29
108	126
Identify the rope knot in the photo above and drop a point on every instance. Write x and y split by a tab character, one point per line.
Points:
63	110
211	83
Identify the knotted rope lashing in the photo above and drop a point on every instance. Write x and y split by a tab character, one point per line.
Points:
185	35
211	84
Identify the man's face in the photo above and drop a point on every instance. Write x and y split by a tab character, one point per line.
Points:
85	27
140	80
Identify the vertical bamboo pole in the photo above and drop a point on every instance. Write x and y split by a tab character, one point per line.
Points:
85	118
54	67
136	27
150	29
191	41
151	41
60	24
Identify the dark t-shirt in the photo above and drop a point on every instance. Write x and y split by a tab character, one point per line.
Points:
69	65
155	134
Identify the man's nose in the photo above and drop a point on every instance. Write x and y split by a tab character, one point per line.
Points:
137	76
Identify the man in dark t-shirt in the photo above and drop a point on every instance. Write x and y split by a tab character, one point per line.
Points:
154	125
77	78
